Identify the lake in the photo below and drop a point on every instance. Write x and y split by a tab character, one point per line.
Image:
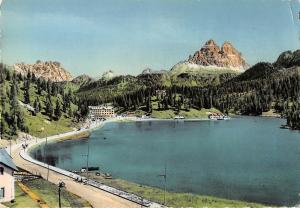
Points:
245	158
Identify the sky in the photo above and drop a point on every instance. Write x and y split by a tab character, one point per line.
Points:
127	36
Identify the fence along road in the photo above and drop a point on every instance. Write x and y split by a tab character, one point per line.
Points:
97	194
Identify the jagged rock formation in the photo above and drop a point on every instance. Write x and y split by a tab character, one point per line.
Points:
212	55
50	70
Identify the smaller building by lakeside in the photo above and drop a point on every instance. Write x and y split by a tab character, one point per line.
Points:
160	93
101	111
7	180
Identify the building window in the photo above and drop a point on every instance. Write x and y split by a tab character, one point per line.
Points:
2	193
1	170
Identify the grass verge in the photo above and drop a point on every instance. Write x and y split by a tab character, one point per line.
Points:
21	200
49	193
173	199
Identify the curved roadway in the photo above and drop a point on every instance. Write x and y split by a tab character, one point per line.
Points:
95	196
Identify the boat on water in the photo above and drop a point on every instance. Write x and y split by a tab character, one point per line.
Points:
178	117
83	169
218	116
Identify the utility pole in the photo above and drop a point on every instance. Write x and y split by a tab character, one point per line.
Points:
45	158
60	186
10	137
45	152
87	160
165	182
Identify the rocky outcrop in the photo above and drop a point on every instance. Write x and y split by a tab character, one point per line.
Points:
151	71
49	70
288	59
212	55
82	80
108	75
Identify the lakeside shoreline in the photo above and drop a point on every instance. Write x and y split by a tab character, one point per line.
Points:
171	194
25	154
134	119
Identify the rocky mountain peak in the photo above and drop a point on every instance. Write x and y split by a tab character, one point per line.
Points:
147	71
212	55
227	46
108	75
49	70
211	44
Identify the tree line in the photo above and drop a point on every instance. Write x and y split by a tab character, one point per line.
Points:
279	91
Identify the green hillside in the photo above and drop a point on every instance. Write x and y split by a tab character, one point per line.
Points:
184	74
104	90
192	90
36	106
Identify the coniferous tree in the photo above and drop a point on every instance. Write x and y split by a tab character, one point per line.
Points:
57	111
70	113
14	109
36	105
26	92
49	107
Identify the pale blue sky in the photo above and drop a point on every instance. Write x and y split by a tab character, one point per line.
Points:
92	36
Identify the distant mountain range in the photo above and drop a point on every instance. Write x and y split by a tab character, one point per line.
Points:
213	77
210	56
210	65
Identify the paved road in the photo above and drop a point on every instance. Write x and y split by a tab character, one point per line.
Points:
96	197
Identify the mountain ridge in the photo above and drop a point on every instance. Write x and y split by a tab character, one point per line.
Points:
49	70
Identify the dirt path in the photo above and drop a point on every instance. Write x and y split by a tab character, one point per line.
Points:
32	195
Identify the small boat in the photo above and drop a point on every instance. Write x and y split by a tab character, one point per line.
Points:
226	117
213	116
83	169
218	116
107	176
179	117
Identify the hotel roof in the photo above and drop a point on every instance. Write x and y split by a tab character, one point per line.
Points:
100	107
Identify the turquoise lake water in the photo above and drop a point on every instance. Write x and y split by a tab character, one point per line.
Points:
247	158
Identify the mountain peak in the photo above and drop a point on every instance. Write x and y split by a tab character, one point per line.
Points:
108	75
212	55
50	70
82	79
210	42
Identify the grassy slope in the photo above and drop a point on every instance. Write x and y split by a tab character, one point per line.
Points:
171	113
48	192
192	113
35	123
199	75
173	199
